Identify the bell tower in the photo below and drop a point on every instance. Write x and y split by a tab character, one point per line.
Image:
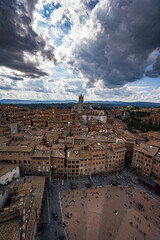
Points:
80	103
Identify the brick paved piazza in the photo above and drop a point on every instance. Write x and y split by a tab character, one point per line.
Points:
110	212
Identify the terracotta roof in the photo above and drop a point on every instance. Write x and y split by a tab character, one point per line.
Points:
118	147
58	153
78	154
10	230
147	149
38	183
157	157
3	139
97	146
15	149
154	143
58	146
24	188
7	168
110	153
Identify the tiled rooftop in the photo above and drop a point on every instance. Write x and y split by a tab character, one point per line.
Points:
7	168
10	230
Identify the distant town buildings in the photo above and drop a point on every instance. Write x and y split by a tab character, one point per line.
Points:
75	143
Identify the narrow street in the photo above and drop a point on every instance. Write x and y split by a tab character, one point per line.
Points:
48	232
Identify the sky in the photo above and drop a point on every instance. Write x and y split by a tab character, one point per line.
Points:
56	49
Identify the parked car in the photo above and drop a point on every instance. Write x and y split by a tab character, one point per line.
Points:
55	214
74	186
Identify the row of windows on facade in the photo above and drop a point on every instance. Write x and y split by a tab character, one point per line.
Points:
141	153
19	153
97	158
144	168
142	173
19	161
14	175
77	170
116	164
39	168
120	164
77	161
81	174
69	161
154	162
98	155
119	160
116	156
139	158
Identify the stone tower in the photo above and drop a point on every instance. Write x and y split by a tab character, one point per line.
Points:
80	104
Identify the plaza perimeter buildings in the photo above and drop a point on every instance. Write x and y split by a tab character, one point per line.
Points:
75	143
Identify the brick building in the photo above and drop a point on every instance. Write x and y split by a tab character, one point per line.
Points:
30	160
115	157
146	161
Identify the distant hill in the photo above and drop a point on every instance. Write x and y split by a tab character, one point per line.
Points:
109	103
18	101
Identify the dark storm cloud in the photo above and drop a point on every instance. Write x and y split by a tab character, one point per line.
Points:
36	85
118	54
152	74
51	80
17	37
13	77
156	65
118	92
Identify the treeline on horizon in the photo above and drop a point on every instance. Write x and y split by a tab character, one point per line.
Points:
95	106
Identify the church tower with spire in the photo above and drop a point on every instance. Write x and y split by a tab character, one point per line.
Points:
80	103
